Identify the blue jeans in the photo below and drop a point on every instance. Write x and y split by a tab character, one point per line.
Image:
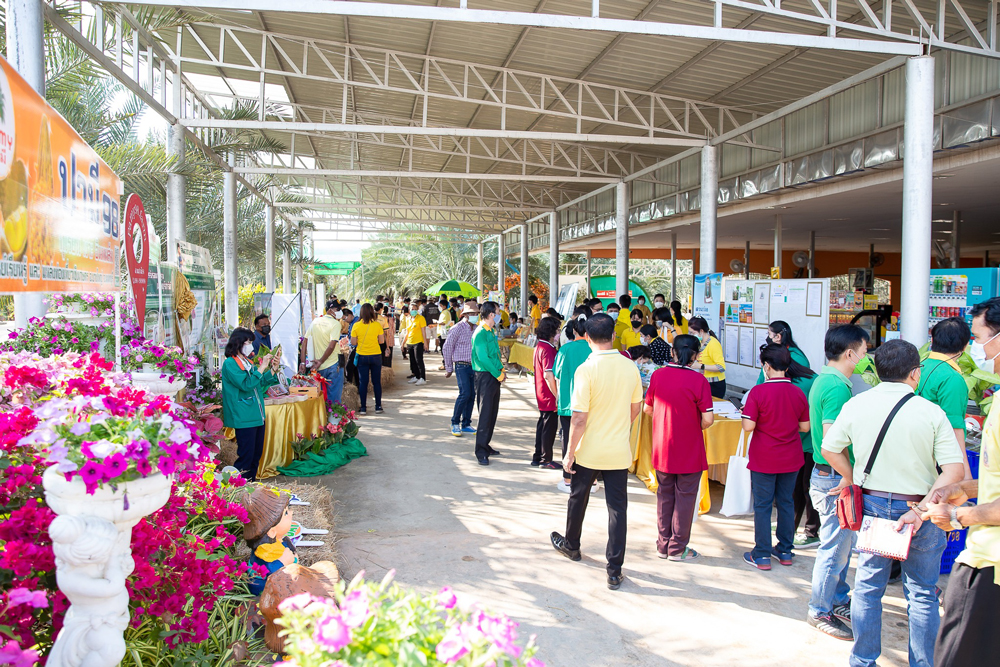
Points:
771	489
370	365
833	557
466	377
335	389
920	577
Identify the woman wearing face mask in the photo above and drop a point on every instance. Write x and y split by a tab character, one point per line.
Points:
630	336
679	322
243	385
659	349
711	361
663	320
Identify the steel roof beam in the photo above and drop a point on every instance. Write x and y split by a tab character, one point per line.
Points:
359	173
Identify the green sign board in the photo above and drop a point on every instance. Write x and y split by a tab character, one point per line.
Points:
603	287
336	268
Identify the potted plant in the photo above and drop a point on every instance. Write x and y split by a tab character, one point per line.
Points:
160	369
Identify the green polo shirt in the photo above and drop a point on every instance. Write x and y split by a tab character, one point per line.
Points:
486	352
830	391
805	384
945	387
568	359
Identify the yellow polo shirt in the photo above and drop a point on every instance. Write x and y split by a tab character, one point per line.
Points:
712	356
415	330
982	546
367	335
605	386
621	326
320	333
630	338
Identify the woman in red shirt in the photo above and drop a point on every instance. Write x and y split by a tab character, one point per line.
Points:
775	412
680	401
545	394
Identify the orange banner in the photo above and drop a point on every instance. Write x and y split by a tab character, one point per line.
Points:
59	202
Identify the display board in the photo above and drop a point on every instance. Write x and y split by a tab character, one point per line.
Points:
750	305
287	328
706	300
566	303
195	262
59	201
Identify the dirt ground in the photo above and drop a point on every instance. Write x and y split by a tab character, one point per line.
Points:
420	503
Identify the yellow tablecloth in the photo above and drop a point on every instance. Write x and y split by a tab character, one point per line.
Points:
721	440
522	355
282	423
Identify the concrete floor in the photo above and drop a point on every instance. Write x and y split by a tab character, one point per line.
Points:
421	504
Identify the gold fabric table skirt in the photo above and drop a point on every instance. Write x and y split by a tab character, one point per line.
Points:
721	440
282	424
522	355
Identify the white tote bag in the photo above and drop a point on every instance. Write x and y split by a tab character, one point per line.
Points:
738	497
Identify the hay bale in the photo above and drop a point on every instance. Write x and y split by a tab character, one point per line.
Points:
351	399
388	380
227	453
318	514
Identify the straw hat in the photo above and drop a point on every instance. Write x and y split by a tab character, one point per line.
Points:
264	508
470	308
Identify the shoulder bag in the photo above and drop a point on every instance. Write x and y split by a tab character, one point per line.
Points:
850	505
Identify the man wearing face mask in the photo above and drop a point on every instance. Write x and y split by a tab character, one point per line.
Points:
968	629
458	360
490	373
646	313
261	333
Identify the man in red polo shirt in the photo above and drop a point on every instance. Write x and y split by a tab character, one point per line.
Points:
545	394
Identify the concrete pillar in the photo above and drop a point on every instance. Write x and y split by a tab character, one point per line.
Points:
918	182
286	261
956	253
590	295
812	254
269	277
673	266
777	245
502	268
479	268
553	258
524	271
709	207
176	193
229	256
26	53
621	238
301	260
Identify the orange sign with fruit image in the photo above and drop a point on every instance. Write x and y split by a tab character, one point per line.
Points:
59	202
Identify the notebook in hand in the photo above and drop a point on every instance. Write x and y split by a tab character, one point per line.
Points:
879	536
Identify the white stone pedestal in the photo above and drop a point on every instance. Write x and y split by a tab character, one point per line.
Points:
156	385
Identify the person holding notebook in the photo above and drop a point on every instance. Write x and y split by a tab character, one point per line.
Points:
913	437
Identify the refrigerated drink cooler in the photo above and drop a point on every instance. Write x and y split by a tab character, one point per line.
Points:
955	291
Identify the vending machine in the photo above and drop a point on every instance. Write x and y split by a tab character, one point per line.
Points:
955	291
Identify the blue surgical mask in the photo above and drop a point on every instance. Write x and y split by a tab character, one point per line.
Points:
473	319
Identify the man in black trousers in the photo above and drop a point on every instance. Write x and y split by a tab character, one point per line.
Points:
490	373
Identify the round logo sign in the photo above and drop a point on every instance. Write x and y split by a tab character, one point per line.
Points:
7	131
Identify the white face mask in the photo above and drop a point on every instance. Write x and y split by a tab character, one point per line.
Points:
473	319
978	354
247	349
658	304
645	341
339	314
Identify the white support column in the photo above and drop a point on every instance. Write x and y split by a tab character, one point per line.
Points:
26	52
673	266
524	271
480	284
229	258
709	207
269	277
812	254
176	192
589	293
956	241
502	267
621	238
777	245
286	261
553	258
299	261
918	182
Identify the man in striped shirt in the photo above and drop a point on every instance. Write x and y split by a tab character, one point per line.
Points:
457	354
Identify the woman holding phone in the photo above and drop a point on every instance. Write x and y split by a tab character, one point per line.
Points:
243	386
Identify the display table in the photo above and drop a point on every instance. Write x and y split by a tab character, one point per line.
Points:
283	424
522	355
721	440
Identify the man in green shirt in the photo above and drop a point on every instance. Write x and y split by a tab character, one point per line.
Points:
568	359
941	382
488	366
830	602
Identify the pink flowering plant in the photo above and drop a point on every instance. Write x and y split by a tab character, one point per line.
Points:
383	624
95	304
169	361
57	336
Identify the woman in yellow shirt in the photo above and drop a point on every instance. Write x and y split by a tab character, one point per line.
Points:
416	342
631	336
368	336
711	361
681	324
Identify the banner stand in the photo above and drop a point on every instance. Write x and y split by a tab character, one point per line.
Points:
118	331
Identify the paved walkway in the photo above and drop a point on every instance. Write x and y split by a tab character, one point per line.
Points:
421	504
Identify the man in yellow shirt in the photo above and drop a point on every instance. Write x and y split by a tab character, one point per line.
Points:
416	340
711	361
536	312
968	633
322	341
607	397
621	325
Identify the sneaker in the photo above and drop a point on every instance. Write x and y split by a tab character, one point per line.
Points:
803	541
563	486
831	625
559	542
843	612
615	581
551	465
362	412
593	489
379	411
456	431
410	376
535	464
413	380
759	563
662	555
688	554
784	559
468	429
421	381
484	461
441	367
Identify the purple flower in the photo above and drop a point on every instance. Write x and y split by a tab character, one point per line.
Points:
446	598
115	465
35	599
332	633
354	609
91	473
11	654
180	434
144	467
166	465
452	647
80	428
534	662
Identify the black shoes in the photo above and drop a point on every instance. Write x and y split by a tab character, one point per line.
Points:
615	581
559	542
484	461
493	452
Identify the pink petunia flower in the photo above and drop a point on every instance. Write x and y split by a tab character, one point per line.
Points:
332	633
452	647
354	609
446	598
34	599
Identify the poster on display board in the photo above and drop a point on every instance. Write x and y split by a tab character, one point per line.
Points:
707	297
158	324
786	300
59	202
195	262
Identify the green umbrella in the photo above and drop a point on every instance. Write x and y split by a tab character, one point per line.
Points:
453	288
